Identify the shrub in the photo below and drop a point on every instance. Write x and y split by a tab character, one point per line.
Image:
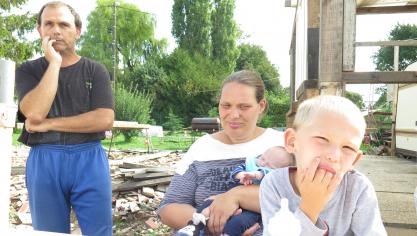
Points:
173	122
278	106
132	105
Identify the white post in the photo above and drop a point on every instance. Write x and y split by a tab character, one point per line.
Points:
7	122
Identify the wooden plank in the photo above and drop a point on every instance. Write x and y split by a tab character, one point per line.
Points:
130	185
157	169
331	43
147	157
394	104
313	13
132	171
409	42
313	38
307	89
349	35
382	3
130	165
406	132
146	176
389	77
129	125
386	9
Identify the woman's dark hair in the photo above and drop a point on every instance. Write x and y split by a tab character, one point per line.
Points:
251	79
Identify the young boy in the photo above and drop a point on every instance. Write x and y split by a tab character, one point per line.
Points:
324	192
252	171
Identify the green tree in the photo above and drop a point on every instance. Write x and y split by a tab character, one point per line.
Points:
145	77
382	103
190	87
384	58
173	122
191	25
135	36
355	98
224	33
278	106
13	28
253	57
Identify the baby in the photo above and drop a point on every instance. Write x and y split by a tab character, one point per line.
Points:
251	172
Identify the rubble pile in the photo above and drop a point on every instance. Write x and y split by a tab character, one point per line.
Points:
139	182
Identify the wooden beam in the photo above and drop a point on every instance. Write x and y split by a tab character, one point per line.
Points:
410	42
331	47
129	185
349	35
391	77
129	125
380	3
146	176
308	88
313	14
386	9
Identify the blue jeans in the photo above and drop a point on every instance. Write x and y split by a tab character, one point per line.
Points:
59	177
237	224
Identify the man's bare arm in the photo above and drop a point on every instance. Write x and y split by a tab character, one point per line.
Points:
36	104
98	120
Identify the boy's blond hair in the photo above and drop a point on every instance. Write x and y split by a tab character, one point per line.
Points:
329	103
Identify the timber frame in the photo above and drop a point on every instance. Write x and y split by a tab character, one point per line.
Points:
329	54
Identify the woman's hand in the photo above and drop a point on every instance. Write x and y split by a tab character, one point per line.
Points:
221	209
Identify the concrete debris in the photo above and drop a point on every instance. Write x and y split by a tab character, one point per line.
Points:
139	183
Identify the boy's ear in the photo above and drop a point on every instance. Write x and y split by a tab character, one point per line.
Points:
289	140
358	156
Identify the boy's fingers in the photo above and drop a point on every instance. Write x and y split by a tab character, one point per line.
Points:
327	178
319	175
334	182
311	170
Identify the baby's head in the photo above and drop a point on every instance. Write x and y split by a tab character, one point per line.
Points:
275	157
327	127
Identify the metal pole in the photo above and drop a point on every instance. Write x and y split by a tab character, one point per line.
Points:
6	81
114	44
7	121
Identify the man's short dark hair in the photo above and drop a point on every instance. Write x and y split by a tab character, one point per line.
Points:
77	19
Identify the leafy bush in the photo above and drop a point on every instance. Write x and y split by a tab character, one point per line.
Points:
278	106
132	105
173	122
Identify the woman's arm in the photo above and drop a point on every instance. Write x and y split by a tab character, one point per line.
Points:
224	205
176	215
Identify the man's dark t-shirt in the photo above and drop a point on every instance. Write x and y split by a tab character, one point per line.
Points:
82	87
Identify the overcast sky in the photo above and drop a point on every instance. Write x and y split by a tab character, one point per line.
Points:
266	23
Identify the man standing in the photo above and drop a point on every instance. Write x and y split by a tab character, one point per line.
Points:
66	103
